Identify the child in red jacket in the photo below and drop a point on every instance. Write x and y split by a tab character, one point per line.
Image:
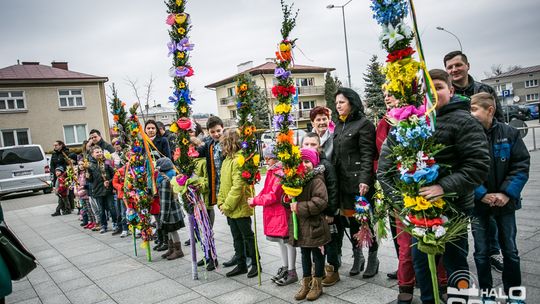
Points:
61	191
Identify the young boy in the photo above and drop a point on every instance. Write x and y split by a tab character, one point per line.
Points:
213	153
61	191
464	163
500	195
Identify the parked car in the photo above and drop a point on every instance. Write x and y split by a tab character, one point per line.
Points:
24	168
512	112
533	107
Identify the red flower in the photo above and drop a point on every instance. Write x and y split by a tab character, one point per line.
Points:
246	174
283	91
258	176
301	170
400	54
425	222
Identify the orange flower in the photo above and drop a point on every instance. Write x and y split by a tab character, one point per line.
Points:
283	138
248	131
284	56
116	118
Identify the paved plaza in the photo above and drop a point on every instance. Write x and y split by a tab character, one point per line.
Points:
80	266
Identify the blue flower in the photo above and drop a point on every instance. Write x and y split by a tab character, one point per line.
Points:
426	175
389	11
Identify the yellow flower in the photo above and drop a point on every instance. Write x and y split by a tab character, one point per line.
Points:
240	160
180	18
243	87
282	108
284	47
284	155
180	55
173	128
181	30
256	159
422	203
178	2
185	141
439	203
181	85
408	201
295	151
183	109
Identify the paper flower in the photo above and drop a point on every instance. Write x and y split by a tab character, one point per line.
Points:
391	34
184	45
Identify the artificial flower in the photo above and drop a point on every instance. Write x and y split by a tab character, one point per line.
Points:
184	45
240	160
438	203
180	55
180	18
281	73
248	131
286	137
285	47
192	152
178	2
440	231
170	19
419	232
400	54
173	127
246	174
295	150
284	155
185	141
282	108
181	30
391	34
256	159
183	109
422	203
284	56
181	85
116	118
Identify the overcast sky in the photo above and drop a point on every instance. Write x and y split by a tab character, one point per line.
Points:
124	39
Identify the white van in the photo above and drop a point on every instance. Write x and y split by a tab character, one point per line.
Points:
23	168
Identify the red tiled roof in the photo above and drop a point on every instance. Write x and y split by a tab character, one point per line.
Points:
268	68
20	72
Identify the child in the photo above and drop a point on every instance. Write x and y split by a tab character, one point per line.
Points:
61	191
313	231
500	195
232	201
170	218
100	175
89	219
275	217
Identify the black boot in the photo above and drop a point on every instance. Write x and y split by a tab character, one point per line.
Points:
232	262
239	269
211	264
253	272
164	242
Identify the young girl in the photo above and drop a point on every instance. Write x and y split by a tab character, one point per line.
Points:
89	218
170	217
232	201
313	231
275	217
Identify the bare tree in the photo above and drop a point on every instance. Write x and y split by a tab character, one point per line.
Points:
147	91
498	69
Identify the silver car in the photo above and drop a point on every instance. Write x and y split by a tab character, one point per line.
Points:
23	168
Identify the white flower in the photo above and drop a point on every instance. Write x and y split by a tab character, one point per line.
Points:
391	34
406	221
419	232
250	118
405	30
439	231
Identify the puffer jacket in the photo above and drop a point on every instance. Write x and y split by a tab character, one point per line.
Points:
233	190
80	189
275	216
509	170
313	231
475	87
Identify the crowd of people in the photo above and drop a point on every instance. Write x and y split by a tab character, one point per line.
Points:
485	167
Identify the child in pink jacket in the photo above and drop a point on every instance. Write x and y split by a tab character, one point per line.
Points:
275	217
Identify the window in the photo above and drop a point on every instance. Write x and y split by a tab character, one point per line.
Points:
71	98
164	116
12	156
231	91
501	87
531	97
12	101
305	82
74	134
233	113
307	105
15	137
531	83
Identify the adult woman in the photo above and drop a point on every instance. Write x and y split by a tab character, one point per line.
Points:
161	143
353	156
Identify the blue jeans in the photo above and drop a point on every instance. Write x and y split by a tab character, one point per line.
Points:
106	204
507	230
494	247
121	214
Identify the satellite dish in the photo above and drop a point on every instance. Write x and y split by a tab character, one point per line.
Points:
516	98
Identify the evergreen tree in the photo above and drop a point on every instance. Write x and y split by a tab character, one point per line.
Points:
261	108
331	85
374	95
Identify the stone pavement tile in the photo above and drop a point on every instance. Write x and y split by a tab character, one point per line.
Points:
22	290
96	257
531	255
38	275
30	301
283	292
218	287
369	294
44	254
47	289
73	251
67	274
151	292
87	295
265	278
532	267
75	284
129	279
108	301
182	298
204	278
528	279
274	300
201	300
242	296
110	269
59	267
177	269
346	284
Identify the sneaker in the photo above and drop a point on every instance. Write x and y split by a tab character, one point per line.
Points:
187	243
290	277
116	231
91	226
497	262
280	273
103	230
124	234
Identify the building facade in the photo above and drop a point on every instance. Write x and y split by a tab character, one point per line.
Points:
308	79
159	113
40	104
521	85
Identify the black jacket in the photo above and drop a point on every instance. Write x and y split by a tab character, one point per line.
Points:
162	144
105	146
96	177
59	159
509	170
464	163
171	138
475	87
331	182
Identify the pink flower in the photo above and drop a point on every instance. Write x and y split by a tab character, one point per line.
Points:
170	19
406	112
192	152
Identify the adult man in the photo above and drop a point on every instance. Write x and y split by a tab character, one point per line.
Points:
59	158
333	248
171	137
95	139
320	120
499	196
457	65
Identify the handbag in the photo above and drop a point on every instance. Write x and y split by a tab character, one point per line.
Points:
19	260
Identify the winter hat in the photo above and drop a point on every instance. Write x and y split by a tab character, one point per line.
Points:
60	168
164	164
311	155
268	152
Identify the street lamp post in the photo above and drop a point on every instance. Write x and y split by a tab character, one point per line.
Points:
440	28
331	6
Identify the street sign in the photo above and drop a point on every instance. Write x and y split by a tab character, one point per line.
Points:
505	93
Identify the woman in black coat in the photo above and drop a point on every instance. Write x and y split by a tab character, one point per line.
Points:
161	142
353	156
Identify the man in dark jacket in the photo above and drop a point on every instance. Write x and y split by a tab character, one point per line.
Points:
499	196
95	139
457	65
331	213
59	158
171	137
464	166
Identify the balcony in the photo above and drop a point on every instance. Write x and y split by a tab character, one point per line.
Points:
228	101
304	91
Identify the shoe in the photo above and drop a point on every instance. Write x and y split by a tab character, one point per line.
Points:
103	230
56	214
96	228
305	284
372	267
239	269
187	243
289	277
83	224
156	246
392	275
211	265
91	226
358	263
177	251
169	251
66	212
124	234
87	225
331	277
405	295
200	263
253	272
116	231
497	262
280	273
232	262
316	289
163	246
